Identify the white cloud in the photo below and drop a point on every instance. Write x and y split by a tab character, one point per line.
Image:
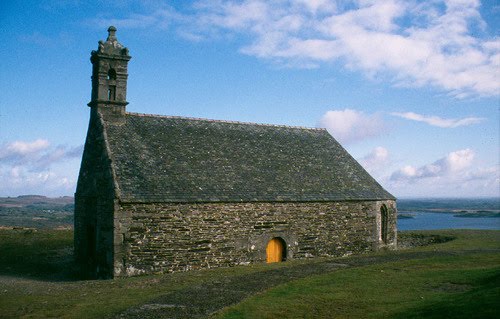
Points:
350	125
449	166
439	122
413	43
239	15
375	160
18	149
453	175
36	167
483	173
38	153
18	180
314	6
459	160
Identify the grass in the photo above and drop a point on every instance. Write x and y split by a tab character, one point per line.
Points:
465	284
36	253
459	278
466	287
37	280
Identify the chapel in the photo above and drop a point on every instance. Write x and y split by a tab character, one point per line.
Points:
160	193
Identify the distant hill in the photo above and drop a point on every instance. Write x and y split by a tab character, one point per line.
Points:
36	211
450	205
25	200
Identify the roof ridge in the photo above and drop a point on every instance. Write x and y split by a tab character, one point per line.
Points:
224	121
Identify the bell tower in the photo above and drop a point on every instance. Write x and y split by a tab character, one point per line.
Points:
109	76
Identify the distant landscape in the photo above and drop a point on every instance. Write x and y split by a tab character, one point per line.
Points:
35	211
460	207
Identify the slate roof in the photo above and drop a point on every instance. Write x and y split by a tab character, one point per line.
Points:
176	159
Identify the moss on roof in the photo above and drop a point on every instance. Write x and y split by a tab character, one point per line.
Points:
175	159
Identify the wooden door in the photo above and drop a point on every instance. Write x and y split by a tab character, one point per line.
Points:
275	250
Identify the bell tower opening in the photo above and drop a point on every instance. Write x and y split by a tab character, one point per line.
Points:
111	74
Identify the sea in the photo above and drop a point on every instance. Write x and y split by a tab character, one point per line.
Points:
429	214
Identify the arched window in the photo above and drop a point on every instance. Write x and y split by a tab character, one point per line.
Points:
384	223
111	74
276	250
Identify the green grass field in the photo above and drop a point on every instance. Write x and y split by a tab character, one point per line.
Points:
456	279
456	286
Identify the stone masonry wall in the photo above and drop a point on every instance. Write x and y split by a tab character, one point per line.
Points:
156	238
94	206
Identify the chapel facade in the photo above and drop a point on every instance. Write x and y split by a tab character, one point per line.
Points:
158	194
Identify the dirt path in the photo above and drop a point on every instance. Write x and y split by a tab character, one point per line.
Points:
206	299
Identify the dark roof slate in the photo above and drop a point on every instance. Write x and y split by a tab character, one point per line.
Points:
175	159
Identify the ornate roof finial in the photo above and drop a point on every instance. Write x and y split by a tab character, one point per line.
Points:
112	46
111	34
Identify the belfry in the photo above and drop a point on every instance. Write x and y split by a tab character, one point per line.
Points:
109	75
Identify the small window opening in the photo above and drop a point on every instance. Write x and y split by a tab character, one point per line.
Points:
112	93
111	74
384	223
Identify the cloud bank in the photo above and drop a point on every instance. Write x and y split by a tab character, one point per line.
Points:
36	167
453	163
443	43
452	175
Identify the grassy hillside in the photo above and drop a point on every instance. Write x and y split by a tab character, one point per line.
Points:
458	283
454	279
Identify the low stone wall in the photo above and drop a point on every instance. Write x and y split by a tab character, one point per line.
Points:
154	238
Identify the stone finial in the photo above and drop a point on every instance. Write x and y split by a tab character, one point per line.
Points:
111	34
111	45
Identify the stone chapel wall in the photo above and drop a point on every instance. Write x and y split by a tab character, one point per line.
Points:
156	238
94	206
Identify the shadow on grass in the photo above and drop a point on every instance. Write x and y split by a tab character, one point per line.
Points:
37	254
479	301
409	239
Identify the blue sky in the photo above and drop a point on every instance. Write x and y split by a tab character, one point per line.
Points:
410	88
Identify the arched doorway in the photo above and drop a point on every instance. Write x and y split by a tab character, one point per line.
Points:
276	250
384	216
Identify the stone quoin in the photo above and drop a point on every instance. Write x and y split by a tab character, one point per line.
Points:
158	194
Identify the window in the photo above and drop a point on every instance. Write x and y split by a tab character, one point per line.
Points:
384	223
112	93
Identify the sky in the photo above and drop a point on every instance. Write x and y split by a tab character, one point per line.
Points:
410	88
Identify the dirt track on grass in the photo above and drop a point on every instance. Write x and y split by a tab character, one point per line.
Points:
204	300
